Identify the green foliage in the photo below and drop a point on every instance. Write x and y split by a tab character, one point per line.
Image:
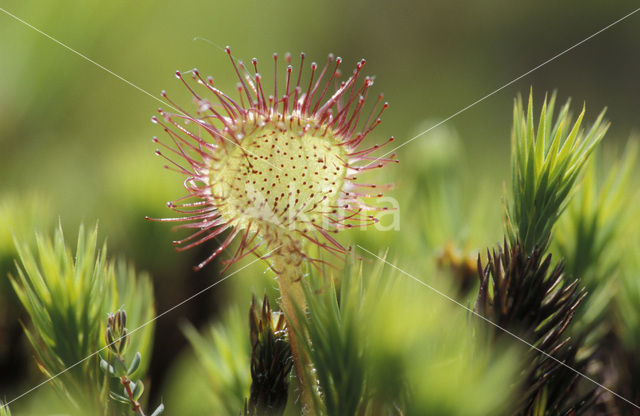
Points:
19	215
455	218
381	343
434	180
4	409
437	180
627	300
592	234
134	293
123	387
627	325
66	297
433	350
335	330
546	163
377	342
224	357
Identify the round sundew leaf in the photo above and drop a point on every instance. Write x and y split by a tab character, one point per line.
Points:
276	170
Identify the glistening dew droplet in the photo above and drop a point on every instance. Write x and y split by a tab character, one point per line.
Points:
276	172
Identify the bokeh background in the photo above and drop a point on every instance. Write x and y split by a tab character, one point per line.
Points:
75	141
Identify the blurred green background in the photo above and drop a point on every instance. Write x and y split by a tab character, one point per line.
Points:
75	141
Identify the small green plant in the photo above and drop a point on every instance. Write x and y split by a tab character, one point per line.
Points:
223	355
453	222
546	162
19	215
335	327
66	296
376	349
593	237
592	234
626	310
4	409
521	292
126	390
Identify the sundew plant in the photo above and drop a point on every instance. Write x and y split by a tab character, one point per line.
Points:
311	262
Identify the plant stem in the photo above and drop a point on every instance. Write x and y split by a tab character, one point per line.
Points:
135	405
287	265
